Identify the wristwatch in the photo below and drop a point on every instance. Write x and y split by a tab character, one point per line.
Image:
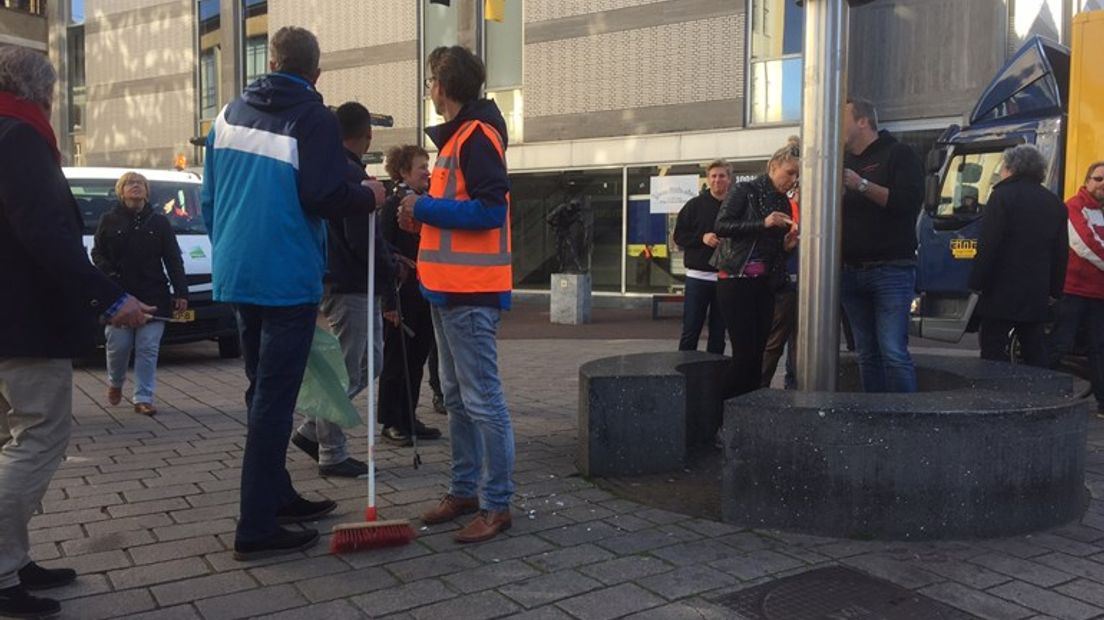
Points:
863	184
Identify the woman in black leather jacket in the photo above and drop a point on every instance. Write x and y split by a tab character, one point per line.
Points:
756	233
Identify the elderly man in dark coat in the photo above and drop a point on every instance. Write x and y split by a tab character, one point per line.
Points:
1021	260
53	298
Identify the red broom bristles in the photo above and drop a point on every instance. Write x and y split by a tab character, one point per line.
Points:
350	537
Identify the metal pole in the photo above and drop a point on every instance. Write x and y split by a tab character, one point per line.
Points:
420	121
818	315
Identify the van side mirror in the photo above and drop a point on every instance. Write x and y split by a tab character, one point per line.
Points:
936	157
931	193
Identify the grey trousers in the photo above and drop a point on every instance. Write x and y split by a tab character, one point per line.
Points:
36	409
348	317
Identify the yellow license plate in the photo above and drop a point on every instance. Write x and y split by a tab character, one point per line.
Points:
184	316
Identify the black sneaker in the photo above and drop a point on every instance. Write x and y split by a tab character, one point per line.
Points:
439	404
306	445
425	432
283	541
34	577
394	436
16	602
349	468
304	510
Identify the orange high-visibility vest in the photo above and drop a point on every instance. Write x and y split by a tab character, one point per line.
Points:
464	261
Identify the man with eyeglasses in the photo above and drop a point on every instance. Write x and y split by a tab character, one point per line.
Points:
1082	305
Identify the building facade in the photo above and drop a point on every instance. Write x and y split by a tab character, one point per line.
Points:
601	96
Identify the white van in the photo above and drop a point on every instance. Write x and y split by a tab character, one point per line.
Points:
176	196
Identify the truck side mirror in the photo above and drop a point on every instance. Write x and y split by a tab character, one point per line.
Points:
931	193
936	157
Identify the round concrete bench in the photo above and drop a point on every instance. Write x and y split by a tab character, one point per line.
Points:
638	413
985	449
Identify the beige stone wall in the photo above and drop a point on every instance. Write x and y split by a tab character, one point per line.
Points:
369	55
140	68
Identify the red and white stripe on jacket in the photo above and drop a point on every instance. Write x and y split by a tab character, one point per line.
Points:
1085	273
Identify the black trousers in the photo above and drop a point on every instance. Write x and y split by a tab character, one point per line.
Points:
994	339
395	407
747	305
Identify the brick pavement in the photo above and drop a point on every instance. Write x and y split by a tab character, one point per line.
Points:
145	508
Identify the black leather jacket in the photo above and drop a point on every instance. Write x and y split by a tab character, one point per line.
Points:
741	229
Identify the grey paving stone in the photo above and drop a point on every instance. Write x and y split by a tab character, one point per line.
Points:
190	590
403	597
346	584
1088	591
1081	567
479	606
145	508
544	613
107	542
490	575
172	570
697	552
1046	601
191	530
1019	547
257	602
629	523
85	585
432	566
587	512
570	557
110	487
579	533
92	562
510	548
111	605
694	609
661	517
333	610
1026	570
902	573
128	524
747	566
180	612
298	569
58	519
686	581
709	529
975	602
81	503
965	573
647	540
176	549
223	561
550	588
161	492
622	569
1065	545
56	534
748	541
207	513
611	602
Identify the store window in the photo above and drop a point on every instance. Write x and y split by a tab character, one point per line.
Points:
255	32
505	45
777	30
77	88
210	51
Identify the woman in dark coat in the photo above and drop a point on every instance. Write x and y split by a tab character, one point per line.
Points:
1021	261
756	233
135	246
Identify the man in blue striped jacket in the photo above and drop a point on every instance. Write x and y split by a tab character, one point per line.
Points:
274	169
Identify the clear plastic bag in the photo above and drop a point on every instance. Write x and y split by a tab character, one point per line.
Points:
324	393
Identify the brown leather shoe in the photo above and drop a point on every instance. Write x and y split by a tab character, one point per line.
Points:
450	507
145	408
114	395
485	527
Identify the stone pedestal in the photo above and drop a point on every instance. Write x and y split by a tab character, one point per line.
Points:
570	298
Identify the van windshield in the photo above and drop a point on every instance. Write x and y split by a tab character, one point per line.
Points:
175	200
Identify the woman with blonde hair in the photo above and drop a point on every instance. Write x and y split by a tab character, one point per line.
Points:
135	246
756	232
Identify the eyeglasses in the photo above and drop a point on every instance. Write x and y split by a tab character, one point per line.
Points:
429	81
1098	179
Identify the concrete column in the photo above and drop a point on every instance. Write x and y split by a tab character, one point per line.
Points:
231	43
58	16
825	73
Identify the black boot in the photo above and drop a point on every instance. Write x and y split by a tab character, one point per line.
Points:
16	602
34	577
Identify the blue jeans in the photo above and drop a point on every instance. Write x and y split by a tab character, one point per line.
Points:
479	423
276	341
146	342
877	302
701	299
1074	313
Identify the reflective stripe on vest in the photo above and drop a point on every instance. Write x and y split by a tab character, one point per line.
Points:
464	260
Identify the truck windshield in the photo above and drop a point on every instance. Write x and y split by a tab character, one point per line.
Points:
970	178
175	200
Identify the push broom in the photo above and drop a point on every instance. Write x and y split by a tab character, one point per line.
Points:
372	533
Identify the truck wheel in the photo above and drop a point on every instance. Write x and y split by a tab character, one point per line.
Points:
229	347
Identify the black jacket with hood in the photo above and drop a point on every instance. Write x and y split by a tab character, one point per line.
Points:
136	249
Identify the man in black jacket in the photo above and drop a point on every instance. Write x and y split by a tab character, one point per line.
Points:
694	234
1022	254
54	297
345	301
884	185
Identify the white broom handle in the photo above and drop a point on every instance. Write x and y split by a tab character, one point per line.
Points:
372	360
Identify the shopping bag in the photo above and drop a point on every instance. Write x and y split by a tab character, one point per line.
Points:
324	393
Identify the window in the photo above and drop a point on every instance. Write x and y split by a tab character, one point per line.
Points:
36	7
179	202
77	96
970	179
255	33
210	53
505	43
777	31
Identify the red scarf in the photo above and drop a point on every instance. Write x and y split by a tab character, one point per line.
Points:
32	114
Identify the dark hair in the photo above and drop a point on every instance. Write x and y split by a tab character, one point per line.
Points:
400	159
458	71
1025	160
295	50
1092	166
864	108
354	118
